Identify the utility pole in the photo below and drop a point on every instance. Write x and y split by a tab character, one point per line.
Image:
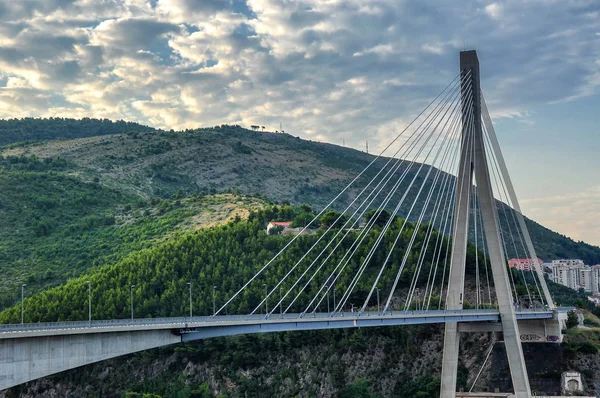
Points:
367	146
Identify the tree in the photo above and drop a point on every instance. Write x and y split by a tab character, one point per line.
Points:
301	220
330	217
572	319
304	208
359	388
382	217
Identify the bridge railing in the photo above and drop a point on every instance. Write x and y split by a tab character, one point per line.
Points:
177	322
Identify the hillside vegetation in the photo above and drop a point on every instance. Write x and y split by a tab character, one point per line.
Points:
32	129
225	257
55	226
274	166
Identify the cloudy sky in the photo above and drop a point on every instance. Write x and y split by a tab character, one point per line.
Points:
329	70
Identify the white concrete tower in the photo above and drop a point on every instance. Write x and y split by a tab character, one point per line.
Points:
473	164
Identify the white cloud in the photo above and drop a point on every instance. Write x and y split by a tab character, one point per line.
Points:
218	62
494	10
357	69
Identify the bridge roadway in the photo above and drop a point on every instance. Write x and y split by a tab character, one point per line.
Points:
225	325
34	350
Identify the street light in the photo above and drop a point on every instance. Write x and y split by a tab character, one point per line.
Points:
334	305
280	302
266	299
377	298
190	285
22	302
131	300
417	300
214	305
89	301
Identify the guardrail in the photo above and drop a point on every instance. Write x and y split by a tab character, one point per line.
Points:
199	321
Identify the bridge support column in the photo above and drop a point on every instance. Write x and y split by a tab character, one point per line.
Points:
473	160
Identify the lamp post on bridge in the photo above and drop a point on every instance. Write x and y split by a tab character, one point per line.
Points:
280	302
266	299
334	305
23	303
89	302
376	287
190	285
131	300
417	300
214	305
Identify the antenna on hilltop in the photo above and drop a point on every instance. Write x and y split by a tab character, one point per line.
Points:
367	145
343	142
280	127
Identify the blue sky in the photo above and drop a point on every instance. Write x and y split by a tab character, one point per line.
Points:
329	70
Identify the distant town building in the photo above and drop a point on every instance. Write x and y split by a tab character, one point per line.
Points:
570	263
576	275
595	279
524	264
283	224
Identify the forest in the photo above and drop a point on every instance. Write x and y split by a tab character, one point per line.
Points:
223	257
41	129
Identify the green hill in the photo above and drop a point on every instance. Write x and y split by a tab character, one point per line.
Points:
32	129
224	256
54	226
224	158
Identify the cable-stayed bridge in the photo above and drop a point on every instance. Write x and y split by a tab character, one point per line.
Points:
421	235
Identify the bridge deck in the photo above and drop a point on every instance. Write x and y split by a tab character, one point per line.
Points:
211	326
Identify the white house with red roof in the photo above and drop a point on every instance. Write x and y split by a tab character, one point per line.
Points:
282	224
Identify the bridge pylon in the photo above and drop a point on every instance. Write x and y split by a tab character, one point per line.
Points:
473	165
